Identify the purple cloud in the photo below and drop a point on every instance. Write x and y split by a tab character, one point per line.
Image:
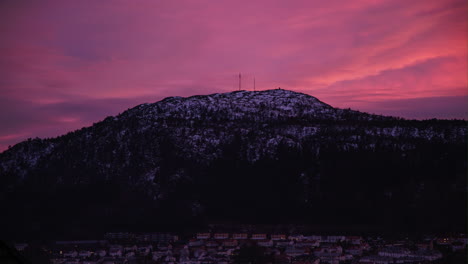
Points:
64	65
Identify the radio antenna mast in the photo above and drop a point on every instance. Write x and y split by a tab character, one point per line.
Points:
254	84
240	81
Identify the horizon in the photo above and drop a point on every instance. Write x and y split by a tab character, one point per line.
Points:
209	94
68	65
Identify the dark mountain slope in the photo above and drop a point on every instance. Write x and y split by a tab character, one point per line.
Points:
274	156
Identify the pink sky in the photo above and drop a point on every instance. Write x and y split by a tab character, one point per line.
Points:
67	64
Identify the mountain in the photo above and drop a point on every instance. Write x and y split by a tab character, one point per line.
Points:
274	156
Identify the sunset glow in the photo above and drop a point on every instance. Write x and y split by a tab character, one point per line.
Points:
67	64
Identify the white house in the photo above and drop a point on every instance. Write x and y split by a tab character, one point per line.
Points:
354	240
211	243
130	248
145	250
85	254
283	243
259	236
308	243
265	243
278	237
332	239
71	254
296	237
376	260
394	252
101	252
354	250
240	236
115	252
20	246
294	251
195	243
221	236
203	235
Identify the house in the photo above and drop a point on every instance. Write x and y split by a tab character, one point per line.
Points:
316	261
394	252
207	260
85	254
184	253
461	238
179	249
376	260
308	243
230	251
199	253
164	246
130	248
70	254
115	252
354	250
143	237
458	246
71	261
158	254
203	235
145	250
170	258
101	252
354	240
195	243
309	261
259	236
283	243
313	237
272	251
20	246
444	241
119	236
365	246
331	259
211	243
163	237
221	236
278	237
281	259
424	246
294	251
223	253
334	249
113	261
296	237
265	242
318	251
429	255
230	243
238	236
332	239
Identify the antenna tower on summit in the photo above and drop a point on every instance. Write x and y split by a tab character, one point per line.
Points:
254	84
240	81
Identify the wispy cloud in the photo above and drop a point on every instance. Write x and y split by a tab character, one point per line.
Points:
64	65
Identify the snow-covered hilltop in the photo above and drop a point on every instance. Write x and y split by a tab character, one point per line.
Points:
284	149
201	125
239	105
